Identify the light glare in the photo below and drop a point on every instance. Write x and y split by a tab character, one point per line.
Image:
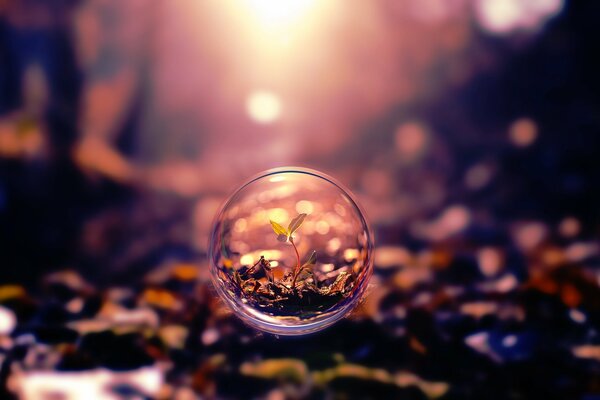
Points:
263	107
277	12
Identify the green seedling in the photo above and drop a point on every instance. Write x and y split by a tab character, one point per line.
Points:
287	235
301	292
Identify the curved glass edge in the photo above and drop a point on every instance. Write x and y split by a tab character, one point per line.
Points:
302	328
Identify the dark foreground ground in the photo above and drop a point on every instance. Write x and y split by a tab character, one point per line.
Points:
487	271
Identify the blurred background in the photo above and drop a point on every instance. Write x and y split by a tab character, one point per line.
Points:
468	129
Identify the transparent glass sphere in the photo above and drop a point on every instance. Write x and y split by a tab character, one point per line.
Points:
291	251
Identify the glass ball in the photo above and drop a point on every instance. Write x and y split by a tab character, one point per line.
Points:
291	251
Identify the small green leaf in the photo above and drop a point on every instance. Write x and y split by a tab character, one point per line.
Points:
295	224
279	230
306	273
312	259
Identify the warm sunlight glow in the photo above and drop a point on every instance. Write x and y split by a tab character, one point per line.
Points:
263	107
278	12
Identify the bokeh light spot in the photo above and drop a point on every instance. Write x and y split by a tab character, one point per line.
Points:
322	227
304	206
569	227
278	215
502	17
263	107
523	132
8	321
411	141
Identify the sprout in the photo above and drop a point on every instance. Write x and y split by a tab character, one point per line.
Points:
299	288
287	235
284	235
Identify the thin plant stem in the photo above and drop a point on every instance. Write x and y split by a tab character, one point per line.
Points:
297	269
254	266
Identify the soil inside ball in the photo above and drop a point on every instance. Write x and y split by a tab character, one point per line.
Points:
303	299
